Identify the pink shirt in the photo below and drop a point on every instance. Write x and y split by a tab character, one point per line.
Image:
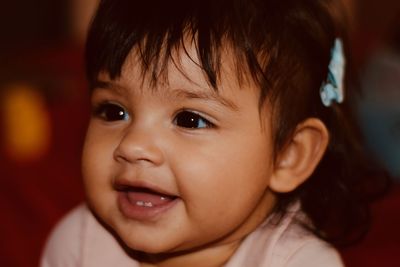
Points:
79	240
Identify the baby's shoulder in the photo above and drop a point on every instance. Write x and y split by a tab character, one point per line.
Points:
63	246
285	243
297	247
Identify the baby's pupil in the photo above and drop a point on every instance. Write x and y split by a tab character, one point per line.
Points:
114	112
188	119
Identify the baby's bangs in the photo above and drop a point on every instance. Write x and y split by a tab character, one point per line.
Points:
157	34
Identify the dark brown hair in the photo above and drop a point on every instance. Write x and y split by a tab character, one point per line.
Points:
285	46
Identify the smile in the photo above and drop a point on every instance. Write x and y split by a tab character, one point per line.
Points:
143	204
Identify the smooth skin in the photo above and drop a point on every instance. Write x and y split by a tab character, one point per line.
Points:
213	151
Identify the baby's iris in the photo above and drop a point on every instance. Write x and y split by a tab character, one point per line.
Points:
191	120
111	112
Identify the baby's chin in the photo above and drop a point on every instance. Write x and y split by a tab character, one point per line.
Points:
153	253
151	247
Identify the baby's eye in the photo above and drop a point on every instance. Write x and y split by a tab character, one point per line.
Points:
111	112
191	120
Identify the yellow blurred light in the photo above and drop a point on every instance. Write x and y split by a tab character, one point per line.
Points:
27	124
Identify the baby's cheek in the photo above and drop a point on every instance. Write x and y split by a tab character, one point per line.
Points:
95	171
97	156
99	194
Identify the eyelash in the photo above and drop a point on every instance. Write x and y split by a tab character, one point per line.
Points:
184	119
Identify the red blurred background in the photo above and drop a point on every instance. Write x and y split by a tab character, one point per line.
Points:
44	111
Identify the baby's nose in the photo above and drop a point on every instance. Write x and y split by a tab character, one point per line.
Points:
139	145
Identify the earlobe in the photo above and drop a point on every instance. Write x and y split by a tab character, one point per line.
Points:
299	158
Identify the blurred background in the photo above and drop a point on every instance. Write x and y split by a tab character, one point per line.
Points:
44	111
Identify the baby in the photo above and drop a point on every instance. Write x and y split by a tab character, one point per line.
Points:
220	136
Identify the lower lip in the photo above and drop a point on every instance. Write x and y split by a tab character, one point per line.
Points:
140	213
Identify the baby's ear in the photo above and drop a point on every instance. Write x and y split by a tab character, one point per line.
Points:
298	159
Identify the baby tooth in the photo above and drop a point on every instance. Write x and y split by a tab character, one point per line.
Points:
148	204
144	204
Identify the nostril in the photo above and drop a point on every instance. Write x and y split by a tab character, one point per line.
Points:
119	157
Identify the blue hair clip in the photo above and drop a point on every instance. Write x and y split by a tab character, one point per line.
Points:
333	88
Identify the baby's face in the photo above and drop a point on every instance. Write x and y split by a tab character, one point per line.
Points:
178	166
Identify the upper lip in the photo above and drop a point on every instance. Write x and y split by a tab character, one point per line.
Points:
139	185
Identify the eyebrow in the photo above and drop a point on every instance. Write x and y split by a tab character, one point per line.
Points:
176	93
99	84
205	95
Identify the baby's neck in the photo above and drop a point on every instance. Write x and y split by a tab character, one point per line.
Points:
214	257
218	253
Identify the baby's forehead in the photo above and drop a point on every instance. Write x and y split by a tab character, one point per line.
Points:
182	76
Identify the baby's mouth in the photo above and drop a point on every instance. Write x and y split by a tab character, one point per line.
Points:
142	202
144	197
